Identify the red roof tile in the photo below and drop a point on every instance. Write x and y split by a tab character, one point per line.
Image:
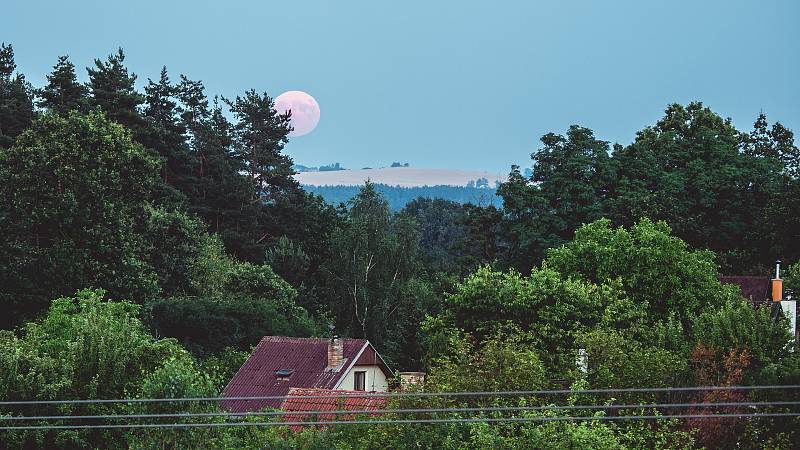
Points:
755	289
306	357
302	400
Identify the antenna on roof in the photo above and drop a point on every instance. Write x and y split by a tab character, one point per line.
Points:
331	328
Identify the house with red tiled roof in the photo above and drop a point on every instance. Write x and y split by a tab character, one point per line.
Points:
280	363
305	405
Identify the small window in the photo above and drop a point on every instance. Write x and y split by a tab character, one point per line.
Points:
360	381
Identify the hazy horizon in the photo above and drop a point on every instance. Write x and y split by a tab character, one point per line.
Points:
471	88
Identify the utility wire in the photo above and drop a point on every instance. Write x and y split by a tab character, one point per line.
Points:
407	394
402	411
401	421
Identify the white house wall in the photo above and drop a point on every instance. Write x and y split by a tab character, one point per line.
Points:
375	379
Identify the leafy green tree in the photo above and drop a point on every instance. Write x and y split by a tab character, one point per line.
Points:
63	93
617	361
16	99
504	361
84	347
75	191
441	224
174	240
657	270
688	170
485	241
233	304
553	309
369	265
113	89
177	377
568	187
737	326
288	260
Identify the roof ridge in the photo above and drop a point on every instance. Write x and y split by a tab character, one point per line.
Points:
337	391
313	338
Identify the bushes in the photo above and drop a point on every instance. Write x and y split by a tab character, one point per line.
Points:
207	325
231	304
84	347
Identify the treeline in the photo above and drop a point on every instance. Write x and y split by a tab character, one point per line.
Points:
149	241
399	196
733	192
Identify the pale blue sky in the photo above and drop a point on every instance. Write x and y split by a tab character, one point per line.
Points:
462	84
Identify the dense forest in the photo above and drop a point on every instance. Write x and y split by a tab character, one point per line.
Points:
399	196
152	237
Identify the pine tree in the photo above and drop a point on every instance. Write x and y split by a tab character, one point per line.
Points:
112	89
63	93
261	133
165	132
16	99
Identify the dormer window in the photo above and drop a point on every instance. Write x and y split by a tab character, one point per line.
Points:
283	374
360	380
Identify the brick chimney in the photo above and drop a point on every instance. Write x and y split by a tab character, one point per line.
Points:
335	352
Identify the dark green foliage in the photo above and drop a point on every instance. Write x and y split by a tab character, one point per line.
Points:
63	93
165	134
233	304
260	134
75	191
16	99
617	361
737	325
716	187
442	226
552	308
174	241
569	186
288	260
206	326
112	89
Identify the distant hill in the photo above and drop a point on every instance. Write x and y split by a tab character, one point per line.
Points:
399	176
398	196
401	184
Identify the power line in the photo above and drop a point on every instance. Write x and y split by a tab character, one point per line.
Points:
401	421
402	411
408	394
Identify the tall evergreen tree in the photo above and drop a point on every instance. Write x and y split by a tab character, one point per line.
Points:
16	99
113	89
165	133
261	132
63	93
194	115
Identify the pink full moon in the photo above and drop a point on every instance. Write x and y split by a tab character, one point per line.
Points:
305	111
